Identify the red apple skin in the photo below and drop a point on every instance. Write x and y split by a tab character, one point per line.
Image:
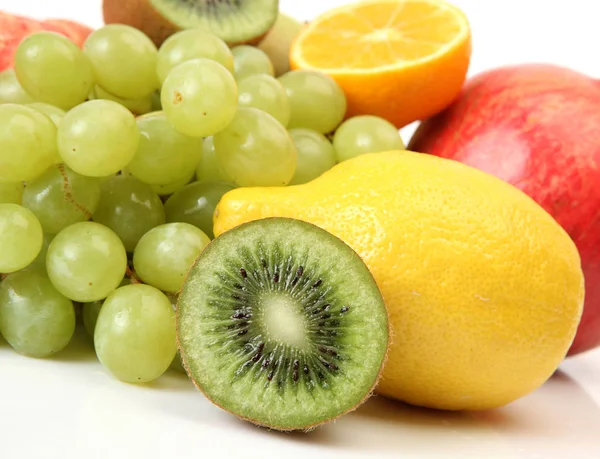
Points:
77	32
14	28
536	126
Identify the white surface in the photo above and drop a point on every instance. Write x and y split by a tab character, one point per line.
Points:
69	408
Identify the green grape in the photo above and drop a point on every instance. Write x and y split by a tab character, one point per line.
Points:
249	60
86	261
61	197
40	260
365	134
135	333
11	193
256	150
136	106
279	39
54	113
90	316
199	97
266	93
190	44
130	208
317	101
52	69
196	203
177	363
27	143
123	60
163	155
98	138
170	188
209	169
166	253
315	155
21	237
11	91
35	319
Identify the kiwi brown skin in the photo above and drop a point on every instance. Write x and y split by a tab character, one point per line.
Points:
280	428
143	16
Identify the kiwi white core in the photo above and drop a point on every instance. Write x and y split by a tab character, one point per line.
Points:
283	321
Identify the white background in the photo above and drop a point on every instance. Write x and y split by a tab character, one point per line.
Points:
69	408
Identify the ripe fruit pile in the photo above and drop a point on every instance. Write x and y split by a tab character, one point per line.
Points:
117	152
484	289
81	177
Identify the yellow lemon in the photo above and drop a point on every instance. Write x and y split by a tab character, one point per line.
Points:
484	289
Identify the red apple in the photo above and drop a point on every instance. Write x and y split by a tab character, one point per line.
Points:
14	28
75	31
537	127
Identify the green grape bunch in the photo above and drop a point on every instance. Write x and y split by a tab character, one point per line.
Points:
113	159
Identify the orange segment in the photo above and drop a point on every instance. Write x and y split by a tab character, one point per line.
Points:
400	59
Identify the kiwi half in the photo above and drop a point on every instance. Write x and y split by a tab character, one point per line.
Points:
281	323
235	21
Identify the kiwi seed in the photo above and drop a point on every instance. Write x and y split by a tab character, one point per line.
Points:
282	324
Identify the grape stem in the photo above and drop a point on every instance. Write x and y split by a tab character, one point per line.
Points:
132	276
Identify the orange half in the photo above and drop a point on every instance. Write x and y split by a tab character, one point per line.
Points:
403	60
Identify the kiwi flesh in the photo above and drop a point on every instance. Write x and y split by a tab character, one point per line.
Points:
282	324
235	21
278	42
